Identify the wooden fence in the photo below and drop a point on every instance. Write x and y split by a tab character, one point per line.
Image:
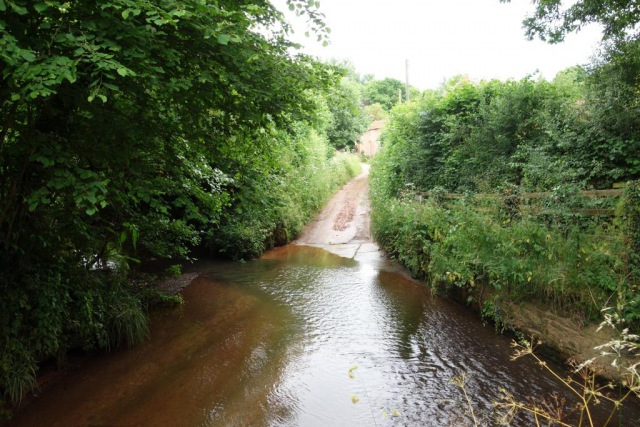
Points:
532	196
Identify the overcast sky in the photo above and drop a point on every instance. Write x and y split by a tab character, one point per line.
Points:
440	38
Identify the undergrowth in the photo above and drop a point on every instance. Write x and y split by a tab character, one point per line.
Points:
574	264
275	210
61	305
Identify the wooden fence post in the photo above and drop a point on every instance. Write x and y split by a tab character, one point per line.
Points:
631	217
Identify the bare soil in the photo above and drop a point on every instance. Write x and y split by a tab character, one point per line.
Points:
343	225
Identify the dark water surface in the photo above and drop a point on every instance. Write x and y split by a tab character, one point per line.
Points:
270	342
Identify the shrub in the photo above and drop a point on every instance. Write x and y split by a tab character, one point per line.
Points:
275	211
572	263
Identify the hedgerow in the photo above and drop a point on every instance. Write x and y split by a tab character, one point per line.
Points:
133	131
492	142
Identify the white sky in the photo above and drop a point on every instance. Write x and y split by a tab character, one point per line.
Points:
440	38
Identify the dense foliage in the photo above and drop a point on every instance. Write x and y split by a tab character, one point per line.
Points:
577	132
579	129
376	112
571	263
348	118
387	92
136	130
552	22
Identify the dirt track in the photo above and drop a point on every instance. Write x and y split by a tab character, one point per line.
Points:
343	225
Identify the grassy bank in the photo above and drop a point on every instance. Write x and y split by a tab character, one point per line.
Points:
103	308
491	143
572	264
276	209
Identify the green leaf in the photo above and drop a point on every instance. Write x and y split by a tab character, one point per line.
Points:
3	7
92	210
122	71
18	9
103	98
27	56
351	370
125	14
40	7
223	39
292	6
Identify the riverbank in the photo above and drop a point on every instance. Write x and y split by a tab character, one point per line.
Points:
343	228
272	341
545	281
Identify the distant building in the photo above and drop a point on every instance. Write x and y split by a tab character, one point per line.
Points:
369	142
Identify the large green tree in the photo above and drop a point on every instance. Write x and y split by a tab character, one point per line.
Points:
348	119
551	21
606	140
385	92
127	127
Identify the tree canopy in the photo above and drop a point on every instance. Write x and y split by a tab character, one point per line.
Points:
138	130
385	92
552	22
348	119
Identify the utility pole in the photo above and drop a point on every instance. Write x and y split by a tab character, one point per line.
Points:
407	83
399	96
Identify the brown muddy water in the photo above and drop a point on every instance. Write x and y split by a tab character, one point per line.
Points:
270	342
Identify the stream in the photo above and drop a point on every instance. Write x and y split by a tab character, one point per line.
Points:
272	342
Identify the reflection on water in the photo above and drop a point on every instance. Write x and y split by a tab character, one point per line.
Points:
270	342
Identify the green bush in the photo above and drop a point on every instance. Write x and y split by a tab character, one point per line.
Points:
573	268
58	307
134	131
276	209
577	132
534	134
173	270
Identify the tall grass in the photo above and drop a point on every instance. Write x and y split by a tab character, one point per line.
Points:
575	264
